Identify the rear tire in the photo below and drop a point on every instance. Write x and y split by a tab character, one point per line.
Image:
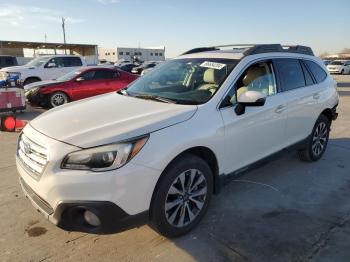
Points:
317	142
57	99
181	197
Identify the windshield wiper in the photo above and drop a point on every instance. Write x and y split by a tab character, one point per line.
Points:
156	98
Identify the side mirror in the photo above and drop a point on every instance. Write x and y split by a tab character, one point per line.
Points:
79	79
51	65
249	98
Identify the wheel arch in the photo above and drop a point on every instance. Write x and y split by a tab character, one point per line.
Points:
32	77
328	113
204	153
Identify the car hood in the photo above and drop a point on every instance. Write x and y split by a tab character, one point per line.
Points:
109	118
41	84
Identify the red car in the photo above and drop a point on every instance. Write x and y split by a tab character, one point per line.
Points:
76	85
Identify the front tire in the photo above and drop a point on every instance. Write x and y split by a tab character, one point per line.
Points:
317	142
181	196
58	99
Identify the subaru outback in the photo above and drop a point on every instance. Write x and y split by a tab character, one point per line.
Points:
157	150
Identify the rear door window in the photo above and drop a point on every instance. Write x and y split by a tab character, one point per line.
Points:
290	73
72	61
10	61
104	74
316	70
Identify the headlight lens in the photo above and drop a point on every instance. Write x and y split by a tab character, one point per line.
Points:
32	91
14	75
104	158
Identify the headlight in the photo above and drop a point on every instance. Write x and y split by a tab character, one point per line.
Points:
14	75
104	158
32	91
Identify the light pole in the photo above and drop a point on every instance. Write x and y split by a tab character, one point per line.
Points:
64	34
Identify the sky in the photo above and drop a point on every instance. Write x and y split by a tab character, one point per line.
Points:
180	25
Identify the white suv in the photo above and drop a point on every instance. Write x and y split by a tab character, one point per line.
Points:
46	68
339	67
159	149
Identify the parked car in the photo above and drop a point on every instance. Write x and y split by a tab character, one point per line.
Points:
76	85
157	150
7	61
46	68
122	62
138	70
128	67
327	62
339	67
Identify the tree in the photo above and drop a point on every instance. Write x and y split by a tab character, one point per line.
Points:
324	54
345	51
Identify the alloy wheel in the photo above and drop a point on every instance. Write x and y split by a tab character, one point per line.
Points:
319	139
186	198
58	99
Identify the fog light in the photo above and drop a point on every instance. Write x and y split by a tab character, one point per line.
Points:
91	218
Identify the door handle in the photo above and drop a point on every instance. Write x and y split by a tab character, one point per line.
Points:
280	109
316	96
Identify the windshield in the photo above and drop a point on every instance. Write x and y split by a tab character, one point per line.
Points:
68	76
184	81
37	62
337	63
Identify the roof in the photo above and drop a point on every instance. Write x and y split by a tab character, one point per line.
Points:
42	44
238	51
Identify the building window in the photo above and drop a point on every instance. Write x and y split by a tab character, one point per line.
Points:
160	54
151	54
127	53
113	53
120	53
106	53
156	54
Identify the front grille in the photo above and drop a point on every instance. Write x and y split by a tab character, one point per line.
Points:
37	199
32	156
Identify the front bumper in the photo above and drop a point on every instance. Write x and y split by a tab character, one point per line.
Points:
334	71
37	99
69	215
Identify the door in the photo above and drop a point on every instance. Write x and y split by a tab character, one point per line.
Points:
93	82
71	63
302	98
107	81
53	68
260	130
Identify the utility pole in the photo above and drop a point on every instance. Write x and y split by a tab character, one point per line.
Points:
45	38
64	34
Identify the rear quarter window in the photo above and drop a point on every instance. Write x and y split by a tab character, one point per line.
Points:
316	70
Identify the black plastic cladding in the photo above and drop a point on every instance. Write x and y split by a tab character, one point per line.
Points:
253	49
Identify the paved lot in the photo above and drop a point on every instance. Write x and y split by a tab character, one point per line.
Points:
286	210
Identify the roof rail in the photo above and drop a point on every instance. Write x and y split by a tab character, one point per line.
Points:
253	49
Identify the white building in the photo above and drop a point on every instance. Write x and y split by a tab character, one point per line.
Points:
142	54
107	54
